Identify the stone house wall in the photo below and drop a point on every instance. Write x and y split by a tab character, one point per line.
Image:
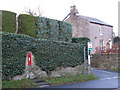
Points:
84	28
79	26
95	36
99	32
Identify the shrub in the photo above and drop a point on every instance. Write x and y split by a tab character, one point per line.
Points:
13	54
26	25
47	28
83	41
116	39
44	28
55	54
8	21
53	29
80	40
65	31
0	20
48	54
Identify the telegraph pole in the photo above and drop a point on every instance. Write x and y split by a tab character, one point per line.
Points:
89	64
85	63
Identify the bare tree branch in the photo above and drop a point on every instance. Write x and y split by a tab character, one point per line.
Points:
36	12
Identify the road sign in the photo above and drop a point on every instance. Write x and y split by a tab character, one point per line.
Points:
89	45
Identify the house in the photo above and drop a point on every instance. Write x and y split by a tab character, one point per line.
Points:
99	32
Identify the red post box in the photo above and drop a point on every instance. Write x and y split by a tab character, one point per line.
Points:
29	57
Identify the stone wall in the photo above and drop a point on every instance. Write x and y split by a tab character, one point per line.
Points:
105	61
36	72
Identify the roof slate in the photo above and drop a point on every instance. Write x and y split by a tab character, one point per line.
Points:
94	20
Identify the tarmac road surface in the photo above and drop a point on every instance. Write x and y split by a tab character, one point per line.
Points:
107	79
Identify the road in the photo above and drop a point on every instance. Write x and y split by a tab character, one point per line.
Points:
107	79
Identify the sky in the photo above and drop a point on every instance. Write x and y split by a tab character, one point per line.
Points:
105	10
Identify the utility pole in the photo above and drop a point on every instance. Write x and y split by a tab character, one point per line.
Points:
89	65
85	63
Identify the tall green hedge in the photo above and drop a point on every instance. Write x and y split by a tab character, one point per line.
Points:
47	28
65	31
53	29
13	54
0	20
44	28
80	40
54	54
26	25
48	54
8	21
83	41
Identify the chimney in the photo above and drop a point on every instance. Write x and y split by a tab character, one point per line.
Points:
73	10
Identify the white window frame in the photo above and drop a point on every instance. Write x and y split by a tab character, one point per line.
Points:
101	43
100	30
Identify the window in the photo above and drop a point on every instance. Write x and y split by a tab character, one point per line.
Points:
101	43
100	30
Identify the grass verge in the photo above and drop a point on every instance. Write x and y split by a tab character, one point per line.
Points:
70	79
24	83
115	69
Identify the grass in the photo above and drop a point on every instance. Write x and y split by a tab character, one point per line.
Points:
70	79
115	69
24	83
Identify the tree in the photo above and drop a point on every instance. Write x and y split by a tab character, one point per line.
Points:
116	39
36	12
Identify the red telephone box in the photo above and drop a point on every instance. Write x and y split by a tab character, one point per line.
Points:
29	57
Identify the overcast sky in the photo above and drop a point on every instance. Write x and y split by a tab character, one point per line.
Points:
105	10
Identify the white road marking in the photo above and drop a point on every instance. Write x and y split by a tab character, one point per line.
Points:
108	78
106	71
43	86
